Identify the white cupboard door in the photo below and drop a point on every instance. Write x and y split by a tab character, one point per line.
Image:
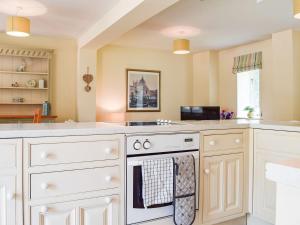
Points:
7	200
213	188
234	184
264	197
102	211
56	214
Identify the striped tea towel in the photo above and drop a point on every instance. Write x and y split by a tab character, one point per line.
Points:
184	190
157	181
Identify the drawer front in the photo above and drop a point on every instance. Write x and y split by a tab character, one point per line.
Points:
72	152
72	182
223	142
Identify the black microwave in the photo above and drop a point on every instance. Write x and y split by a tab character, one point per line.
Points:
200	112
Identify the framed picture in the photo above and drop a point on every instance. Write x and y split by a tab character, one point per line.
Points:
143	90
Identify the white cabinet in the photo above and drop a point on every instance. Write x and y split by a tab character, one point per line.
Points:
223	186
7	200
10	182
97	211
270	146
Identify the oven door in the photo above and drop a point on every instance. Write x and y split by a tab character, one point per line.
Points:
136	213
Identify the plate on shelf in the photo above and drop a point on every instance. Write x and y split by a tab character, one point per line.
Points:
31	83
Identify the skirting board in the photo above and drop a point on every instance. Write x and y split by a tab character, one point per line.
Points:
169	221
251	220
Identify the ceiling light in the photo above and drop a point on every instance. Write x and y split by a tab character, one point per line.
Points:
18	26
181	46
297	9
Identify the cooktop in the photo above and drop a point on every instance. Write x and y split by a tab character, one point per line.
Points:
150	123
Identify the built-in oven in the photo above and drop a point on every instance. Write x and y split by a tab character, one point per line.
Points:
154	146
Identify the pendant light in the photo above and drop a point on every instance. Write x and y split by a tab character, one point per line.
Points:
18	26
297	9
181	46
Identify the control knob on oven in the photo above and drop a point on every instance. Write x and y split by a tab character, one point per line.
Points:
147	144
137	145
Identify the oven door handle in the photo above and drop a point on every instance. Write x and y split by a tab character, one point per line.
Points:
134	163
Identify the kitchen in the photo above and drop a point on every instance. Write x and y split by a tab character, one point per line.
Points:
98	90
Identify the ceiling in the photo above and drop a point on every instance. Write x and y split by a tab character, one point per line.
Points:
220	24
67	18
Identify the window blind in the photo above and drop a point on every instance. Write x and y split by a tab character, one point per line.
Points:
247	62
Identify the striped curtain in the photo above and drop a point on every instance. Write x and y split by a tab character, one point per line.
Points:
248	62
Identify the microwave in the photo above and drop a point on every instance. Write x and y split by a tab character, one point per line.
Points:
200	112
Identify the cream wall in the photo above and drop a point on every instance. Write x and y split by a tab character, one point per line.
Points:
64	69
176	82
205	78
227	80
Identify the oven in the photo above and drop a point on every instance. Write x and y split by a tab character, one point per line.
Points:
154	146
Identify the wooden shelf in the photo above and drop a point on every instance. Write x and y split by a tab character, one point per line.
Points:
19	103
24	88
24	73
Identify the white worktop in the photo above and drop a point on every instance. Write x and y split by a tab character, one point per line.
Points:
65	129
286	172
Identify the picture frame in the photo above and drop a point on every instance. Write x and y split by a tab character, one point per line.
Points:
143	90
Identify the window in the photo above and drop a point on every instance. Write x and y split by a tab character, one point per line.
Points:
248	93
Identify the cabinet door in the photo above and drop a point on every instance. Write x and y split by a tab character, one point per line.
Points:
213	188
223	187
234	184
96	211
102	211
264	197
7	200
54	214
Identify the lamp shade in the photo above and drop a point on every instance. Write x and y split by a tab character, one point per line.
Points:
18	26
297	9
181	46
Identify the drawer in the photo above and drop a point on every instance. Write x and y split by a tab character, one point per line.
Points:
8	152
73	182
223	142
72	152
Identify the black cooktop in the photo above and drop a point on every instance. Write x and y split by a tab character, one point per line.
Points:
147	123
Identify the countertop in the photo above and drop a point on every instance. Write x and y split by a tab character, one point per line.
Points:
66	129
285	172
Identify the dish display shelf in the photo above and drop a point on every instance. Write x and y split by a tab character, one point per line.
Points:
21	70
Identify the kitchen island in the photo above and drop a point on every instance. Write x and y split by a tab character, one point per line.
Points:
48	170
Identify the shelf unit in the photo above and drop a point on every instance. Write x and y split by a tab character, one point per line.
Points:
38	67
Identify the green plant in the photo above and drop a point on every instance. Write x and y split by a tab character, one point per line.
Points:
249	109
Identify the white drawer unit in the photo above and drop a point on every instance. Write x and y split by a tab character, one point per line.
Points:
73	182
73	151
96	211
220	142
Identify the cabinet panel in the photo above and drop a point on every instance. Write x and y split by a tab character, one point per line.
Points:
234	184
101	212
7	200
264	199
223	142
8	152
223	187
213	188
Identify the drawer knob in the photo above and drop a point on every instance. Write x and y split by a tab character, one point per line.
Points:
44	209
44	155
206	171
108	200
108	178
44	186
10	196
108	151
212	143
237	141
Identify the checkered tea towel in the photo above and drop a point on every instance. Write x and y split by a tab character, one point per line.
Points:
157	181
184	190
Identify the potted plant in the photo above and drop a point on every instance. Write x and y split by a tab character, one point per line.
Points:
250	111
